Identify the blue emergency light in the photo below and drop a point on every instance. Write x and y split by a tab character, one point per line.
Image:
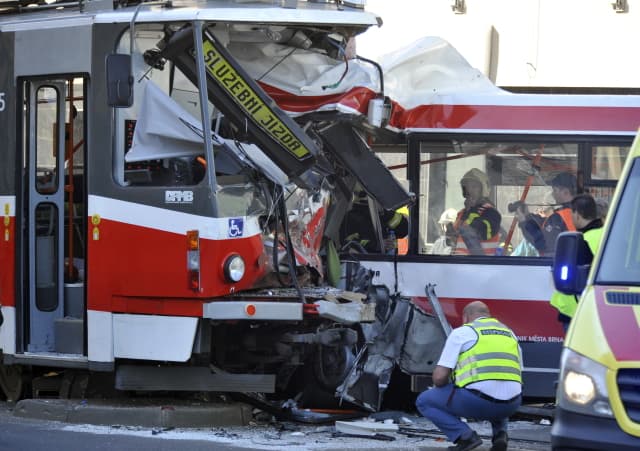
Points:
571	263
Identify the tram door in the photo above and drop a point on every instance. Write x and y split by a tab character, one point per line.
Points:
53	244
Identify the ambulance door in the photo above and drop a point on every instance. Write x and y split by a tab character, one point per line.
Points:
53	226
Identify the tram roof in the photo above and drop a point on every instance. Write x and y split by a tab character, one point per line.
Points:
318	13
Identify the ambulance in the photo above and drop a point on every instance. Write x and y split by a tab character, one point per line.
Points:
598	396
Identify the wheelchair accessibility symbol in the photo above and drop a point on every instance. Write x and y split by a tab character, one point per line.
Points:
236	226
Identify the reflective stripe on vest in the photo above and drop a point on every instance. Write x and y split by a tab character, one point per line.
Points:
495	356
488	246
472	217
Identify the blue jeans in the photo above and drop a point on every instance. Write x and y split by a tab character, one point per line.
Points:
445	405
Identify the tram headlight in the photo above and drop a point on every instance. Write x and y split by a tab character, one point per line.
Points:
234	268
583	385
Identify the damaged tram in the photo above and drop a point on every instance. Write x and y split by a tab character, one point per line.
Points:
173	179
176	178
517	143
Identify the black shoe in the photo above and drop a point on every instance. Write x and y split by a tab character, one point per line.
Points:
500	441
467	445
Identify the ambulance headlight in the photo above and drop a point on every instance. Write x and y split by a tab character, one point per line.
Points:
579	388
234	268
583	385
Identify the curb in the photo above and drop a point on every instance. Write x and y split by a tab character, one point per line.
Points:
143	413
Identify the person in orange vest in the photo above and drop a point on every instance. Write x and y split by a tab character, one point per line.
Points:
477	225
542	232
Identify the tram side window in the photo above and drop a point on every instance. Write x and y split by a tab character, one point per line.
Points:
607	162
506	174
154	147
358	231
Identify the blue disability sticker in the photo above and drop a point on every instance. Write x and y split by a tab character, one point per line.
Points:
236	227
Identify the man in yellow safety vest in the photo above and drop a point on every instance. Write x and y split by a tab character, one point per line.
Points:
479	375
586	217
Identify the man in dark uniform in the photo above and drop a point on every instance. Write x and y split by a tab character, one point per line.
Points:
358	229
477	225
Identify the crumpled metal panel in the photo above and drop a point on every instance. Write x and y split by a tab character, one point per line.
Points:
347	313
387	346
344	143
424	340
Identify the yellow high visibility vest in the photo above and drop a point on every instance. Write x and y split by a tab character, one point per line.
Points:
495	356
568	303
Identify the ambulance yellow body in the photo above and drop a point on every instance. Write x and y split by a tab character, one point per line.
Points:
598	397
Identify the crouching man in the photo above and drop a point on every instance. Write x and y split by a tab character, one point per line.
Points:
479	376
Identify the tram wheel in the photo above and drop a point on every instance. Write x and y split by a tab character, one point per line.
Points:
322	373
11	382
331	365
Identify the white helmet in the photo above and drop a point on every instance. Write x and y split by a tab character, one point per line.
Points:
448	216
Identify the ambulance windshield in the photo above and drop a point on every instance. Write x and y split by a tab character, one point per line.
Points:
620	261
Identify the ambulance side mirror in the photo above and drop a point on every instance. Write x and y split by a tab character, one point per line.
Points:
119	81
571	263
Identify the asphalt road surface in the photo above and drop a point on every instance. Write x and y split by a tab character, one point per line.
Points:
17	434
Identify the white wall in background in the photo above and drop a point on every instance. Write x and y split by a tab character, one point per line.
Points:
573	43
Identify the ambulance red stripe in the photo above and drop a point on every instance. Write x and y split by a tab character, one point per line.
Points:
619	325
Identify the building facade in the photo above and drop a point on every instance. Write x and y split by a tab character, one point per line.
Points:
582	45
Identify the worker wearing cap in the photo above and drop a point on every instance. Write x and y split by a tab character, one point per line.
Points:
478	224
542	232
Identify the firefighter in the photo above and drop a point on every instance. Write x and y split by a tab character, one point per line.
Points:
400	222
586	218
477	225
479	375
358	228
542	232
